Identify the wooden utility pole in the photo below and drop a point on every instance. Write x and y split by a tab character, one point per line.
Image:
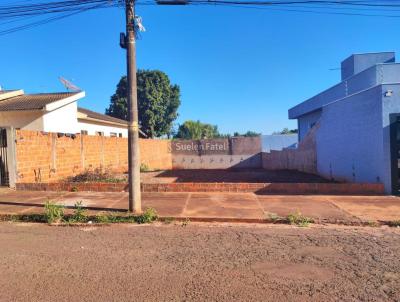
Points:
135	199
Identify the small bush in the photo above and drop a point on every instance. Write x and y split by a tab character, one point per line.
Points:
54	213
147	216
144	168
74	189
299	220
79	214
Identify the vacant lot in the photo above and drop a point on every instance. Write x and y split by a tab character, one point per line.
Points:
239	175
198	262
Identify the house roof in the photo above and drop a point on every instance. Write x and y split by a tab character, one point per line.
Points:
17	100
103	117
92	115
5	91
31	101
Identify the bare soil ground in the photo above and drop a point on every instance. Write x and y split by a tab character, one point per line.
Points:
242	175
198	262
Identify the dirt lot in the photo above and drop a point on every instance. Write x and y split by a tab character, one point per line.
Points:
242	175
198	262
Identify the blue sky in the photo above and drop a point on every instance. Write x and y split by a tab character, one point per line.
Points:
238	68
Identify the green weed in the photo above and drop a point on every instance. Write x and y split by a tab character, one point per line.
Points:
395	223
273	217
54	213
79	214
144	168
147	216
298	219
185	222
102	218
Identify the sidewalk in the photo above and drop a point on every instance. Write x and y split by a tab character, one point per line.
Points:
217	206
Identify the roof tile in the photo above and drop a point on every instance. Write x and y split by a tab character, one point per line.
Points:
32	101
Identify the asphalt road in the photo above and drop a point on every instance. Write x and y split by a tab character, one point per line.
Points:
198	262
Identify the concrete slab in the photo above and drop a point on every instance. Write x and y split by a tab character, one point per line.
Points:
369	208
217	205
316	207
14	202
166	204
100	200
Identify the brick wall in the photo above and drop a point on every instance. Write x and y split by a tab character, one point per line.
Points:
46	157
156	154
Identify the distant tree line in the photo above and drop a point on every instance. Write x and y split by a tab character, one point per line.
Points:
286	131
198	130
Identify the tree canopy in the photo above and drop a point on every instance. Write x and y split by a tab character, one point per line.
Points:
158	102
197	130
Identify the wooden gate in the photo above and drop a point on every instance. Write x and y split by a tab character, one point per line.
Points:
4	175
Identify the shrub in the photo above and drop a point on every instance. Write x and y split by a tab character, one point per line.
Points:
299	220
97	175
54	213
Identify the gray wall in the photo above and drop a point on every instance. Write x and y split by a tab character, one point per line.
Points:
278	142
389	105
359	62
235	152
350	139
375	75
306	121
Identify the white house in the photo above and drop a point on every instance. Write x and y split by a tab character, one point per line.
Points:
56	112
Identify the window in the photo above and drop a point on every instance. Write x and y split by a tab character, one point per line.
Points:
84	132
99	133
120	134
113	134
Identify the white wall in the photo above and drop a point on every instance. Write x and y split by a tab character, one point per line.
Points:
29	120
63	119
60	120
92	128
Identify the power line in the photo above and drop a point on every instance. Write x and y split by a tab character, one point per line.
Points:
309	11
24	10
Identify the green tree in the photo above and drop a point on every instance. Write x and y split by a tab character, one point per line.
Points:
197	130
158	102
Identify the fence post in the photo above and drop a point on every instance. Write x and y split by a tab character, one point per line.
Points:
12	157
